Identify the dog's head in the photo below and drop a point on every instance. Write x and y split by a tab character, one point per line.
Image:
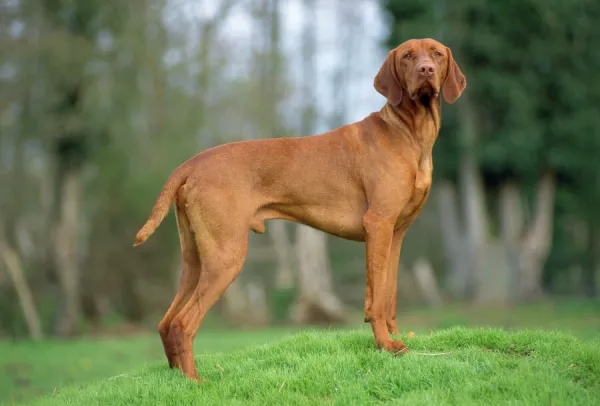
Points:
420	69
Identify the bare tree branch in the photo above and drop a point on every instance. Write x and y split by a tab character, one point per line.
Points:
15	271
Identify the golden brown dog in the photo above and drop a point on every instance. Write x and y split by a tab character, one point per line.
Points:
366	181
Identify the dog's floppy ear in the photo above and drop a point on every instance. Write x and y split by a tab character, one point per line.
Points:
455	81
386	82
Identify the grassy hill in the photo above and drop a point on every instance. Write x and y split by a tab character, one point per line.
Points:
453	366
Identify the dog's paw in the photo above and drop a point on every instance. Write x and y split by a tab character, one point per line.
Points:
396	347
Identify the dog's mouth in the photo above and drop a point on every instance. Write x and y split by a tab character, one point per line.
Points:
425	93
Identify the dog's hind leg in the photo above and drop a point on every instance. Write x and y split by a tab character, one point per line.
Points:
222	243
190	274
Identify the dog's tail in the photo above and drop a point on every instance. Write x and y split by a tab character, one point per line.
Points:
163	202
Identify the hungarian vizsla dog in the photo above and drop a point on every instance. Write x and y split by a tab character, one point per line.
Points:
365	181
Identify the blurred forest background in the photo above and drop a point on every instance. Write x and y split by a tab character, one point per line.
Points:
100	100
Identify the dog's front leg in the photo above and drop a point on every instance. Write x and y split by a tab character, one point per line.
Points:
379	236
392	283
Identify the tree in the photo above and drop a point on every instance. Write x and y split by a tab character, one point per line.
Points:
316	301
514	133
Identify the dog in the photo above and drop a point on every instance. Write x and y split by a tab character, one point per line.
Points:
365	181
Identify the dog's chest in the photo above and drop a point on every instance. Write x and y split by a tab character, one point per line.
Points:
422	188
423	177
420	192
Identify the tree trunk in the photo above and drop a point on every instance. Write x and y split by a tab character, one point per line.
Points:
511	230
233	303
473	200
272	82
246	304
17	276
284	251
485	273
590	265
317	302
283	293
425	278
65	251
537	242
453	240
493	287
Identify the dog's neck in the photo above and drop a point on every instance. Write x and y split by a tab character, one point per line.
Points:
416	122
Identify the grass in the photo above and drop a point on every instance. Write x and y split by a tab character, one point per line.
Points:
452	366
31	369
579	317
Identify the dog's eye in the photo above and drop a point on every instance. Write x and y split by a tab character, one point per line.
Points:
436	53
407	55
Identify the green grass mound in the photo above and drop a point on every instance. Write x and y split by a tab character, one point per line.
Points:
456	366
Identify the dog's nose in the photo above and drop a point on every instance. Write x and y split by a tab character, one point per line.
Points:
426	69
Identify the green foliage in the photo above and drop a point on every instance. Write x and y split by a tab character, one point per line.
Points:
531	70
533	81
455	366
90	90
